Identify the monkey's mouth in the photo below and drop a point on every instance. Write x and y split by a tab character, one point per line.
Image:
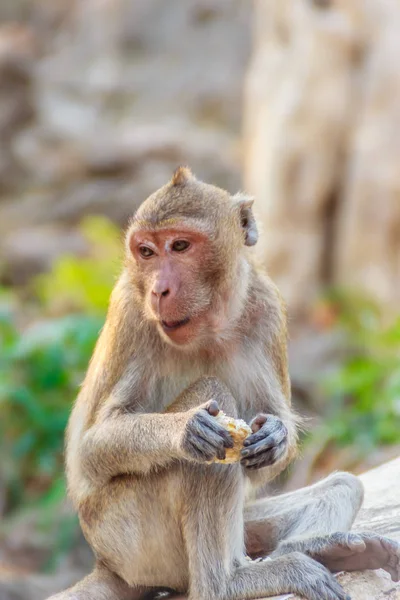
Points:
173	325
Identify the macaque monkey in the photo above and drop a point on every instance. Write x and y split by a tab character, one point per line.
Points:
194	327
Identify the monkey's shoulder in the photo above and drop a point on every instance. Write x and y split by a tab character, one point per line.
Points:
266	309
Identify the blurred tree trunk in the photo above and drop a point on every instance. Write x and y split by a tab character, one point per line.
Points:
322	145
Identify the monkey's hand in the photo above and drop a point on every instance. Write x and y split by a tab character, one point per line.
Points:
267	444
203	438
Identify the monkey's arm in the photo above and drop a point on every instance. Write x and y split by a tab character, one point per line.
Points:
131	443
107	433
279	435
274	442
121	442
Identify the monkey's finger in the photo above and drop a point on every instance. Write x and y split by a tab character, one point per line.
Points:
258	422
259	448
212	408
265	444
264	459
337	590
330	590
391	546
221	453
210	437
341	544
268	435
207	421
322	592
207	436
354	542
200	449
255	463
271	427
393	565
207	428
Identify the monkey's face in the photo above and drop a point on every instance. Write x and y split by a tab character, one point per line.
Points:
186	241
176	269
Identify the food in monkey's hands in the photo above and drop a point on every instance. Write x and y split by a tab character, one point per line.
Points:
239	431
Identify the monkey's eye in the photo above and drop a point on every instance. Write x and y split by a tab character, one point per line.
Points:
180	245
145	251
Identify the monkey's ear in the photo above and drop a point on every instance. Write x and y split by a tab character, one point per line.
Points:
181	176
247	219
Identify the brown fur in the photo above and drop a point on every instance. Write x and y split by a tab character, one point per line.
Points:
154	513
181	176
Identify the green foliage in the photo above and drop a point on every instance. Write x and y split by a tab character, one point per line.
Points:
39	376
84	284
42	367
364	392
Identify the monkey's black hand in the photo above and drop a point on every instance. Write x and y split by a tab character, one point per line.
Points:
267	444
204	439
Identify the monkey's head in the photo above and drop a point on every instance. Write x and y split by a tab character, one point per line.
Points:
185	248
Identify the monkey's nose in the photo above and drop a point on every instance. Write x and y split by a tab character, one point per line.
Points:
160	291
160	294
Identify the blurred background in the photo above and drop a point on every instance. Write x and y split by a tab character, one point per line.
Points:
296	102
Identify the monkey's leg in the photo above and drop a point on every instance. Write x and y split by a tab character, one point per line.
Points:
349	552
314	521
323	508
213	537
102	584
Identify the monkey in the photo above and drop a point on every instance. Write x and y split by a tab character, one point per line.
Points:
195	326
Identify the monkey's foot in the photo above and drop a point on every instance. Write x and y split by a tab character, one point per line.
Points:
351	552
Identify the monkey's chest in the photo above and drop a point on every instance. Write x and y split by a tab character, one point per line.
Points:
167	388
